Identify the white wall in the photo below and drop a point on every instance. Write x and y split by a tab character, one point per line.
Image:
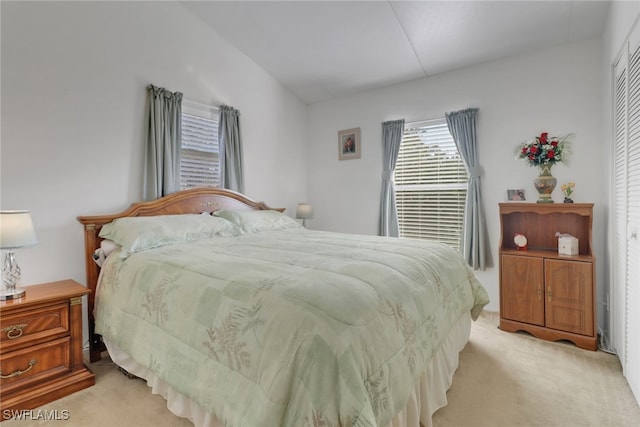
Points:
558	90
73	97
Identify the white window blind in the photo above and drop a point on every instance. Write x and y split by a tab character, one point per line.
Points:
430	183
199	162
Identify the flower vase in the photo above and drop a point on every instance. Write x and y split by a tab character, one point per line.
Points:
545	183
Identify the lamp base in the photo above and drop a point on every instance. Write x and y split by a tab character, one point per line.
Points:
9	294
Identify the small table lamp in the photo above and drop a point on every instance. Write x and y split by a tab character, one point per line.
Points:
304	212
16	231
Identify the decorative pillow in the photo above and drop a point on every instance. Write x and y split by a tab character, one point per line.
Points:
251	221
106	247
136	234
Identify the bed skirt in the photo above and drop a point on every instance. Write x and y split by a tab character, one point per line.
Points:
429	394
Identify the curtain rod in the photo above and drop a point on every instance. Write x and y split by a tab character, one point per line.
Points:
200	104
423	122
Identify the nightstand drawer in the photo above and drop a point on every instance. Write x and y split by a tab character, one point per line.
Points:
35	364
27	326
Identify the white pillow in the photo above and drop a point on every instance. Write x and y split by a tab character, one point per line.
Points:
251	221
106	247
136	234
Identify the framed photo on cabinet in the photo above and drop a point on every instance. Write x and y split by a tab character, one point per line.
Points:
349	144
516	195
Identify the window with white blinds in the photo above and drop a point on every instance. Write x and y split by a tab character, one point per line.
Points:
199	161
430	183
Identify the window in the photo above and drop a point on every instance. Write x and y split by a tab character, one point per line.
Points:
200	160
430	183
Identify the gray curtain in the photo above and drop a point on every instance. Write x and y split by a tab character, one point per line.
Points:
164	137
392	132
231	169
475	242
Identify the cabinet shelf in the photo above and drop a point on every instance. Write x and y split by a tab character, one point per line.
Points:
547	253
542	292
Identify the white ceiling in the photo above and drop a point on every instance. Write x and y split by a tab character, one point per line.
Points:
325	49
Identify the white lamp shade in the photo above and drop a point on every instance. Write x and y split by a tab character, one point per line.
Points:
16	230
304	211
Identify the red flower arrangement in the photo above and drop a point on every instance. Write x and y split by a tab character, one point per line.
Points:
545	150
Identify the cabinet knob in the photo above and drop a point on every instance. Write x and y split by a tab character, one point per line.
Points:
14	331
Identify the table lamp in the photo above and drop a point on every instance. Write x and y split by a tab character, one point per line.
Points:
16	231
304	212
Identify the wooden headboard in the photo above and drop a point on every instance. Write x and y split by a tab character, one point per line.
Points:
196	200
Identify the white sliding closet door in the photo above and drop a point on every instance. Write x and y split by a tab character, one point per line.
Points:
626	257
633	217
618	292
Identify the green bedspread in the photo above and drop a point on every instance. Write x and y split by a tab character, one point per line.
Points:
288	328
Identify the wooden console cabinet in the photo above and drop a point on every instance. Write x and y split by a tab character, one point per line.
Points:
548	295
41	346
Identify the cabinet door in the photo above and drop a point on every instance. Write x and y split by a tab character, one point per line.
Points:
569	296
522	289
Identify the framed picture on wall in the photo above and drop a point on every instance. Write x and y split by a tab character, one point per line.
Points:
349	144
516	195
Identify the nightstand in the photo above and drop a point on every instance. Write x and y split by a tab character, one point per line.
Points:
41	346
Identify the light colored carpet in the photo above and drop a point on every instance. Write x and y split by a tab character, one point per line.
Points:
504	379
507	379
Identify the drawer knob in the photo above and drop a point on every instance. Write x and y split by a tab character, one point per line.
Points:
14	331
18	372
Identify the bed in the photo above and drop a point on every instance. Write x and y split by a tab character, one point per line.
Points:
240	317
